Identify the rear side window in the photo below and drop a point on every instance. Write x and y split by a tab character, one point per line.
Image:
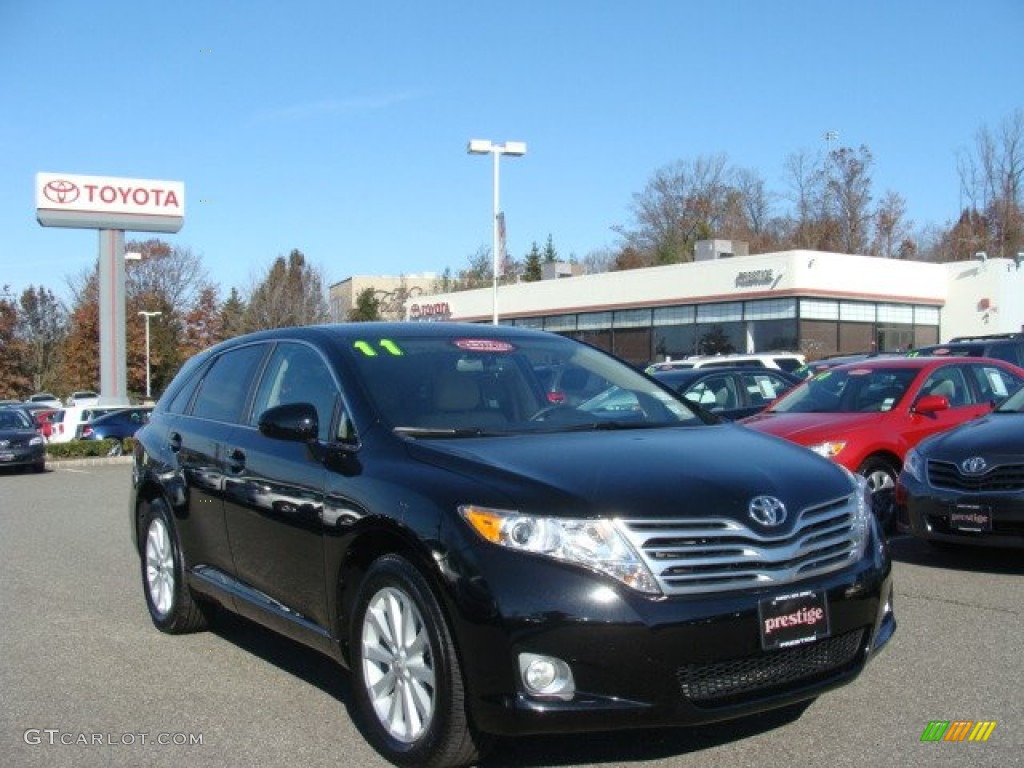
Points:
993	383
223	392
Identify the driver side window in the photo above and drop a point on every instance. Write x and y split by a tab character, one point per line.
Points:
295	373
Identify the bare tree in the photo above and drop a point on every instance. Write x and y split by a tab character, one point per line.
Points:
849	190
681	204
291	292
806	177
992	179
892	229
42	326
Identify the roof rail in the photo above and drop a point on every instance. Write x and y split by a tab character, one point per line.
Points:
987	337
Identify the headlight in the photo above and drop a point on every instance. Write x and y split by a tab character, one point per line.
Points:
829	449
913	465
37	440
862	515
595	544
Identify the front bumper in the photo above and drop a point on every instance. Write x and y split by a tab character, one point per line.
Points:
23	455
926	513
640	662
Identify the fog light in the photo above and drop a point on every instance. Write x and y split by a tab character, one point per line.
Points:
546	676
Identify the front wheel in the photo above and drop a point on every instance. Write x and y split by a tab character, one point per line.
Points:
168	597
407	680
881	475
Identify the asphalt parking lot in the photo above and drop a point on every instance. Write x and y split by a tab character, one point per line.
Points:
87	681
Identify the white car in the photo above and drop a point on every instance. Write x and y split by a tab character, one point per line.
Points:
67	422
784	361
83	397
45	398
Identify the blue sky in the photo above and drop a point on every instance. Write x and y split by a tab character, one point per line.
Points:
340	128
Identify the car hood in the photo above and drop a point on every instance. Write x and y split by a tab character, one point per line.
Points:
996	436
704	471
810	428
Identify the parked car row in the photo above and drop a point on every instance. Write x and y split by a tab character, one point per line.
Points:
61	426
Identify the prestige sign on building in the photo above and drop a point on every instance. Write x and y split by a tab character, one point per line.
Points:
104	202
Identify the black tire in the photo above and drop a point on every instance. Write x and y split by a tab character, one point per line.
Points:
436	731
168	597
881	475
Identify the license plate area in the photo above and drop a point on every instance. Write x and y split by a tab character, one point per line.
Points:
971	518
794	619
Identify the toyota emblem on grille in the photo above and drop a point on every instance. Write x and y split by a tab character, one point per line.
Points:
767	510
974	465
61	191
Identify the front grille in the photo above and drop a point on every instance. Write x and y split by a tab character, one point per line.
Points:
704	555
728	682
1002	477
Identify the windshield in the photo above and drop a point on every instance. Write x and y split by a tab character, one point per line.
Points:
851	390
14	419
427	385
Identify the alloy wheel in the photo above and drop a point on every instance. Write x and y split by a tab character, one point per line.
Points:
398	666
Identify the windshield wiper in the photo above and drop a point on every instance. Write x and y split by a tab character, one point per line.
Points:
452	432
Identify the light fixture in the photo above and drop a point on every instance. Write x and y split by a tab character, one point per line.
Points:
487	147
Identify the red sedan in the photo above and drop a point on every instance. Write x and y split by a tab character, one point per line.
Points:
867	415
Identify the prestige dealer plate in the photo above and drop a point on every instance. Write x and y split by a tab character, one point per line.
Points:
793	619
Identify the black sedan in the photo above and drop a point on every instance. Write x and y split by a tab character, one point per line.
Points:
407	499
732	393
21	444
966	485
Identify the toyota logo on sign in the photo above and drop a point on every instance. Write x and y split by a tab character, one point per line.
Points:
61	191
974	465
767	510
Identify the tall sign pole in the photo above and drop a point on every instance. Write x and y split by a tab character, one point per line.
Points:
110	205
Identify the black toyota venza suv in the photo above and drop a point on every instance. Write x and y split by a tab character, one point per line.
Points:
406	499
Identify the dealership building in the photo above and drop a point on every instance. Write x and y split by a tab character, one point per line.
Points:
814	302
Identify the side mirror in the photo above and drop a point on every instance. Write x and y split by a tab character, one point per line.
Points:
296	422
931	404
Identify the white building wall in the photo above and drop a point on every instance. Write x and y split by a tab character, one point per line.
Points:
984	297
787	273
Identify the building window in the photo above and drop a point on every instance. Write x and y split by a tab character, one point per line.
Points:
819	309
560	323
772	309
857	312
674	315
926	316
896	313
592	321
720	313
632	318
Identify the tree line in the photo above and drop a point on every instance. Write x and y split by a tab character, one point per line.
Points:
46	346
829	204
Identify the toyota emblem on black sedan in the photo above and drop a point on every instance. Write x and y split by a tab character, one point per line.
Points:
767	510
974	465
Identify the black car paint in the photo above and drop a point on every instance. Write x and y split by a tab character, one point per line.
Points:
282	531
925	506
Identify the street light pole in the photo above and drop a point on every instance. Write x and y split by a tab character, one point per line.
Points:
486	147
148	315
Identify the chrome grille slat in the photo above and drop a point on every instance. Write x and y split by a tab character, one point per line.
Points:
1001	477
700	555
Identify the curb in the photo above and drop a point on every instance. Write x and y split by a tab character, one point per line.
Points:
89	461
